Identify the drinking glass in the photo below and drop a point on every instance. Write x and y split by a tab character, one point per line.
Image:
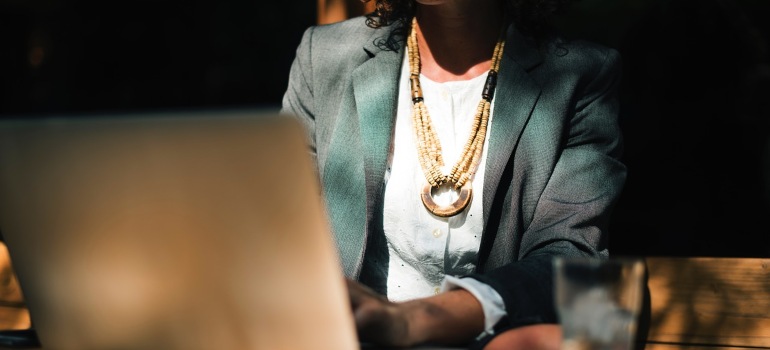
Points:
598	302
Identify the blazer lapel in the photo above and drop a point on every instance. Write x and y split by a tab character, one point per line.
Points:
356	165
515	98
375	86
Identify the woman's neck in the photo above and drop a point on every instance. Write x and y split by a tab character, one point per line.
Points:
456	38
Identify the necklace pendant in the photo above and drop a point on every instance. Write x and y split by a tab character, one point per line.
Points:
454	208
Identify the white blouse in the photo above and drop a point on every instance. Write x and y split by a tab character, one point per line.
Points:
424	248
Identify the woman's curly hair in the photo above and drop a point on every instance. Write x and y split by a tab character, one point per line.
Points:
531	17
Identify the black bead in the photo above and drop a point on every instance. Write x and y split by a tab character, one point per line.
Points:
489	86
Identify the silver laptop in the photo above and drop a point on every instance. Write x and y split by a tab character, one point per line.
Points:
171	231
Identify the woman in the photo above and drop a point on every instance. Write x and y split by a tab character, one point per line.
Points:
459	138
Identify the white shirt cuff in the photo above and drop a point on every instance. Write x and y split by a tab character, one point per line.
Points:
491	302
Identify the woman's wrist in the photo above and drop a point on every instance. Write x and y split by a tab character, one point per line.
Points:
418	329
454	317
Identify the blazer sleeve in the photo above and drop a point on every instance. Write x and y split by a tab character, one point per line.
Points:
572	214
298	101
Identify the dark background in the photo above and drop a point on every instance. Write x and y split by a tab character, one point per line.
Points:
86	56
695	94
695	113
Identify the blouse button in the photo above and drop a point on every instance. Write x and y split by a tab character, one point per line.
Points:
436	291
437	233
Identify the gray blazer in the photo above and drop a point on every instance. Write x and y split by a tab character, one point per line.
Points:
552	172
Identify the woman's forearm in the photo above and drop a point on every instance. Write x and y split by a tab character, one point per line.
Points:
454	317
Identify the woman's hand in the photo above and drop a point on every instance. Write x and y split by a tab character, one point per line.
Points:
537	337
450	318
378	320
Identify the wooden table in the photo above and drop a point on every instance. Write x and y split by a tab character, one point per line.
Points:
711	303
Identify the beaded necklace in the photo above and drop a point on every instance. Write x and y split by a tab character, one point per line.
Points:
428	145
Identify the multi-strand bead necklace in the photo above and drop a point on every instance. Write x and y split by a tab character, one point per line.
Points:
428	145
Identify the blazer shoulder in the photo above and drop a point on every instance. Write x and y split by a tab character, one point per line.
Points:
582	56
352	30
334	50
337	41
577	63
